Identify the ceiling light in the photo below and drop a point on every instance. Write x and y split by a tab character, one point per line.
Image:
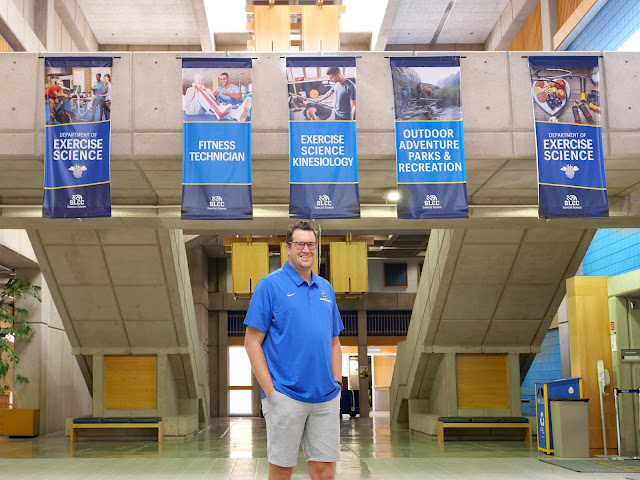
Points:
392	196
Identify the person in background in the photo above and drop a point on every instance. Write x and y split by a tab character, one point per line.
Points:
105	107
345	92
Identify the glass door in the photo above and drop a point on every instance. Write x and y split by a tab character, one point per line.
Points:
240	383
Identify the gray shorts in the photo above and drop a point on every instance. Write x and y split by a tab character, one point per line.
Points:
291	422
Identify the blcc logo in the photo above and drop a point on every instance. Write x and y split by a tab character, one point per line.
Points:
76	201
216	202
572	202
431	202
324	201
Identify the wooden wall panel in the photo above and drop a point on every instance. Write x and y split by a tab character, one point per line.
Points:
249	263
529	38
321	28
590	341
272	28
4	45
130	382
383	370
348	267
483	381
564	9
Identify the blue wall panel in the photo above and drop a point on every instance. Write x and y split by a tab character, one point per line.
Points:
610	28
613	251
545	367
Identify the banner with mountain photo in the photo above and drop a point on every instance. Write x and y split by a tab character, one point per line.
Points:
216	105
567	114
323	166
432	181
77	96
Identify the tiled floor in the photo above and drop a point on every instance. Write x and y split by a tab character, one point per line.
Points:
236	449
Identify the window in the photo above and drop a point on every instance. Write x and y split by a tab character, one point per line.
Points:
395	274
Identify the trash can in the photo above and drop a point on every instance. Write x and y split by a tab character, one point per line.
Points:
570	427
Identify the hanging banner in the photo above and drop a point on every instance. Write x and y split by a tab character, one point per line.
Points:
432	181
566	106
77	181
323	166
216	104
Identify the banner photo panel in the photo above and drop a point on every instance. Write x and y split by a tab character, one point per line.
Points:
77	96
430	167
566	108
323	165
216	104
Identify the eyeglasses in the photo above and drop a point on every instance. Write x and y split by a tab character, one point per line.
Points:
301	245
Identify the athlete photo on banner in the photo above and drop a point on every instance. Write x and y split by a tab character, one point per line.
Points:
567	112
77	96
430	163
323	168
216	105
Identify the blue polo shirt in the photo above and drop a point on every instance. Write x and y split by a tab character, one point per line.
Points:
299	321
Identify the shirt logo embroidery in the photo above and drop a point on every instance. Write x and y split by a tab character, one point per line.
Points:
290	294
324	297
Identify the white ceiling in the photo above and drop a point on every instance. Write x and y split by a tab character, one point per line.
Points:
142	22
464	21
173	22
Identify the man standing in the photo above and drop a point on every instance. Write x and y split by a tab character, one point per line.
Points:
345	91
98	96
230	94
292	341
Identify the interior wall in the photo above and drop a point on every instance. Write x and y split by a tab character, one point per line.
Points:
57	386
529	38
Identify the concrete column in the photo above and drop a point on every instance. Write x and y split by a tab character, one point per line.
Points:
549	23
98	385
223	365
33	353
362	361
513	364
44	13
162	380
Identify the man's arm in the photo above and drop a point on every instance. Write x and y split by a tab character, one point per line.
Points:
253	345
325	96
353	109
336	359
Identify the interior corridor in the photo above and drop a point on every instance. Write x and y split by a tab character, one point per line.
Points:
235	448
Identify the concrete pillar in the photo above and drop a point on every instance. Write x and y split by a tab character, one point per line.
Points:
549	23
363	361
223	365
33	353
513	364
44	13
162	380
98	385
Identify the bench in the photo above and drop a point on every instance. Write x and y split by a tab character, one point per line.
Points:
489	423
81	423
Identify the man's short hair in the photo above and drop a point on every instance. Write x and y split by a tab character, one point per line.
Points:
98	74
301	225
333	71
224	74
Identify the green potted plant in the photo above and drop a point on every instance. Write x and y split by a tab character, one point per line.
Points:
14	325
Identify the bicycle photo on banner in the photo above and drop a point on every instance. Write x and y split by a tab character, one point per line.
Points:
77	96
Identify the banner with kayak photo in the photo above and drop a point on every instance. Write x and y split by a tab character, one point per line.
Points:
430	166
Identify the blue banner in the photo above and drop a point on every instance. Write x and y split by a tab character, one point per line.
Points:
216	103
323	167
77	181
432	181
566	105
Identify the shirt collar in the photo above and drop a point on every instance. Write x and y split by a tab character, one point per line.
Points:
295	276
